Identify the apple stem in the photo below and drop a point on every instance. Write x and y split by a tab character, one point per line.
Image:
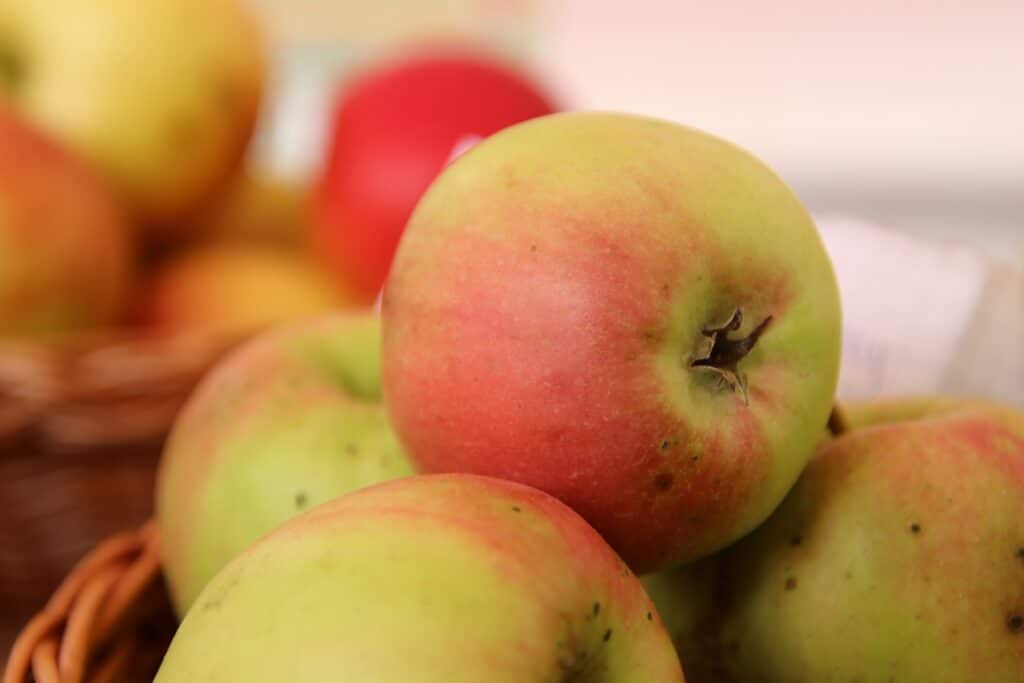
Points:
725	354
837	423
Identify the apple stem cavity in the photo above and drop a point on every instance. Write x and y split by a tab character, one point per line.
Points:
725	353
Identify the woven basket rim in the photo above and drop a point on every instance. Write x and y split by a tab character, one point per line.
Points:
104	388
80	634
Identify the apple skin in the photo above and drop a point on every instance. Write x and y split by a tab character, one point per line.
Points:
888	409
66	247
441	578
392	131
292	419
237	288
161	95
898	555
546	303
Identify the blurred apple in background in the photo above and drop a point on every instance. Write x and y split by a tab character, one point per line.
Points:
65	245
261	207
162	95
394	128
236	288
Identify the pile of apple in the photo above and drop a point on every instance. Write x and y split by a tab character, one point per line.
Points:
588	440
126	195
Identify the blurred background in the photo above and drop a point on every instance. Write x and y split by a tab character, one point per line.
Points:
907	113
898	124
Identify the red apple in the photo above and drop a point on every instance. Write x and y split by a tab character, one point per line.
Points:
65	244
393	130
634	316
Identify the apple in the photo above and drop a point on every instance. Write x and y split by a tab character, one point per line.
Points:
258	206
898	556
444	578
290	420
66	251
633	316
862	413
392	131
161	95
237	288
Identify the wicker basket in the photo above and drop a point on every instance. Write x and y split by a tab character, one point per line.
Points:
81	428
110	619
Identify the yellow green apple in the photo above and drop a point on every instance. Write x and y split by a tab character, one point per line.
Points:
161	95
861	413
427	579
292	419
898	556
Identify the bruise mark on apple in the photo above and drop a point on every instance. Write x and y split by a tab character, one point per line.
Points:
796	540
1015	623
915	528
301	500
1020	554
725	354
791	583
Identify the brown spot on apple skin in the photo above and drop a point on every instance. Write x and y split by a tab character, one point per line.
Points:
791	583
1015	623
664	481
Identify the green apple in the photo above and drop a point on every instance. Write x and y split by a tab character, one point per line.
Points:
237	287
161	95
66	252
898	556
636	317
292	419
429	579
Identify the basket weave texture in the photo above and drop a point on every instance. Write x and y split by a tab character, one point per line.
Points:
109	621
82	424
